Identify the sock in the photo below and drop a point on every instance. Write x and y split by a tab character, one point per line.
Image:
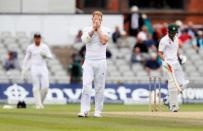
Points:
37	96
44	92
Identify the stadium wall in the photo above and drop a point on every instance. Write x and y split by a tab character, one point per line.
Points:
37	6
56	29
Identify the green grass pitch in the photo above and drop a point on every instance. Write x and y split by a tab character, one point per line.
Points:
116	118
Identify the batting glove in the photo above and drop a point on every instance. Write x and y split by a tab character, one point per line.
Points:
182	59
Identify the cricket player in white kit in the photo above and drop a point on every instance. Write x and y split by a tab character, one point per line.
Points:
34	60
168	51
94	68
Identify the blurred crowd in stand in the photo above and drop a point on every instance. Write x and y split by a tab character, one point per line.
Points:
147	37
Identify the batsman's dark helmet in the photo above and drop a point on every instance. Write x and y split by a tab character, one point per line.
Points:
172	28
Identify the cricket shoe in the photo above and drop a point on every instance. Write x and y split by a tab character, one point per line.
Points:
174	109
97	115
83	114
39	107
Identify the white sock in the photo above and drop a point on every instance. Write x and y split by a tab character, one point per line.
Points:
37	96
44	92
99	98
173	95
85	102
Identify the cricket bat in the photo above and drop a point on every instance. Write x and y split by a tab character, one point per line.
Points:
170	69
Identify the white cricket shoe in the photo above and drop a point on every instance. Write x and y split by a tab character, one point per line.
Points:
39	107
42	106
97	115
174	109
83	114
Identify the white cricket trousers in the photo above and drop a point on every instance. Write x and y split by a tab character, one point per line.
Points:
94	72
40	81
172	89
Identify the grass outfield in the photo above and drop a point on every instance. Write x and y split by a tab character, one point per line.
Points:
116	118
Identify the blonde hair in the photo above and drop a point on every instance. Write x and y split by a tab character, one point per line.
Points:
98	13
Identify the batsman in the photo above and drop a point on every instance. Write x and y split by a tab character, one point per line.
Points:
171	62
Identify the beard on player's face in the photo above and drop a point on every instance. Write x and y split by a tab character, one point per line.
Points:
171	35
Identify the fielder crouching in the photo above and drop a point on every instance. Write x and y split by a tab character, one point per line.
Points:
168	52
36	53
94	68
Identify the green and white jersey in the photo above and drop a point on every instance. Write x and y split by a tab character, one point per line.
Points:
169	48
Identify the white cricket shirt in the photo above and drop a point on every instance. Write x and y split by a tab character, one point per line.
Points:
169	48
95	50
33	54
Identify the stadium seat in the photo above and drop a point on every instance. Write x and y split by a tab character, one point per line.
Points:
118	66
19	44
6	34
20	34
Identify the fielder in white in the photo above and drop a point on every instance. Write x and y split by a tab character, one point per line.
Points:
94	68
34	60
168	51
